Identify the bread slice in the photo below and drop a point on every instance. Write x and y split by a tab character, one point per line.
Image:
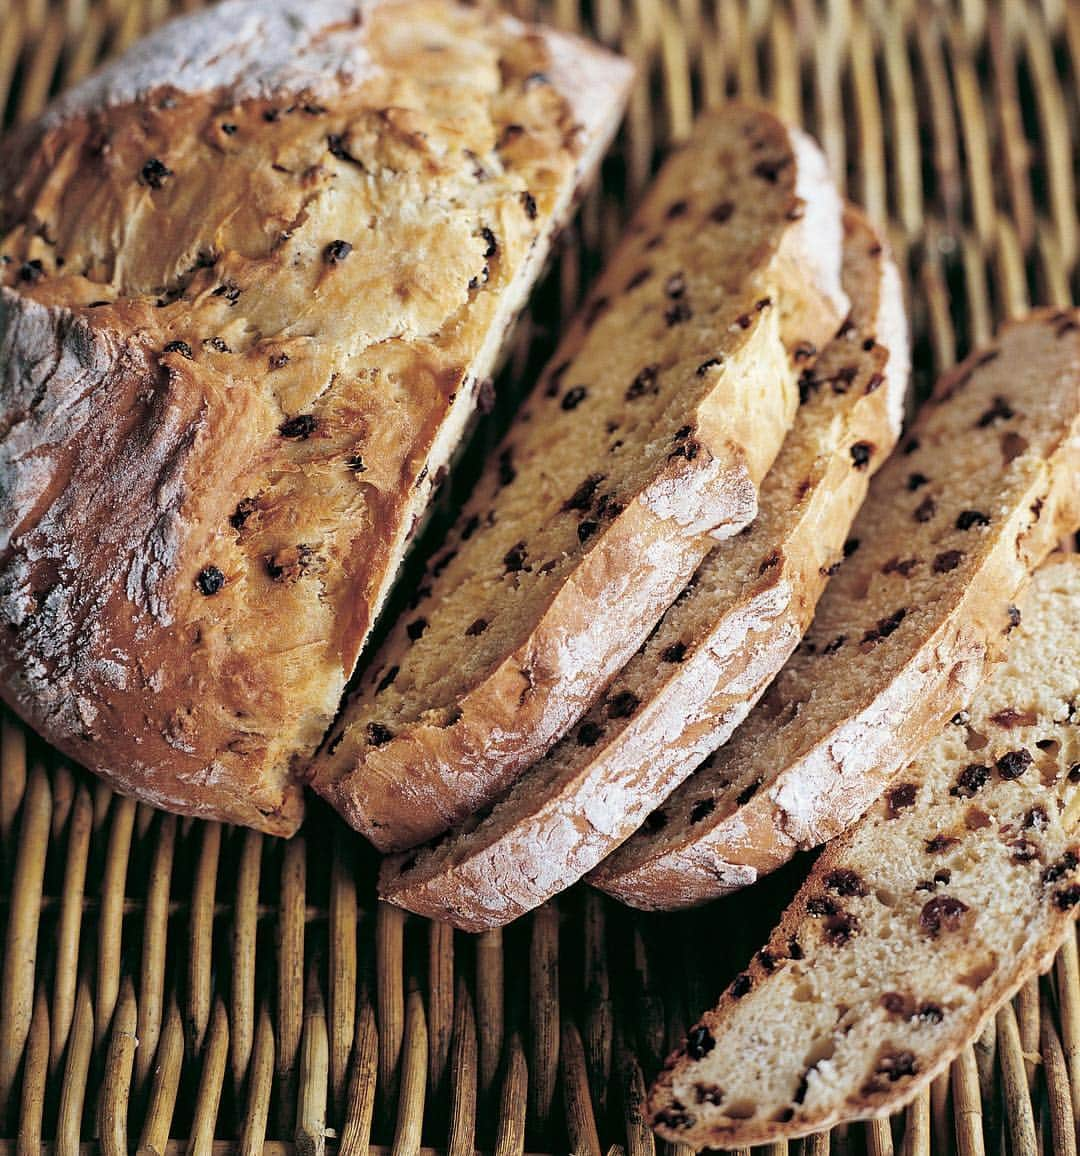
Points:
985	485
643	443
914	926
712	654
255	274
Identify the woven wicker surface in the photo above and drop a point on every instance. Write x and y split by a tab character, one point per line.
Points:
167	978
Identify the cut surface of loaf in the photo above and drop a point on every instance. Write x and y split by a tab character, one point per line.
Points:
914	926
714	651
255	274
984	486
643	442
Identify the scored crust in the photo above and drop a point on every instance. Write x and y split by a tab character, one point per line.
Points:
712	654
255	276
917	924
985	485
642	444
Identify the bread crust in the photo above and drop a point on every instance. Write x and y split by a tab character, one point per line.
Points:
436	769
827	784
1022	852
189	563
578	804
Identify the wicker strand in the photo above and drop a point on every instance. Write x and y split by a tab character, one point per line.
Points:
211	1079
34	1076
510	1138
116	1083
440	1002
390	963
967	1105
580	1120
461	1139
314	1071
599	1015
489	1009
290	977
200	938
73	1086
165	1084
155	931
1068	993
20	945
245	928
1059	1100
544	1011
1018	1111
360	1099
414	1063
260	1084
343	965
12	763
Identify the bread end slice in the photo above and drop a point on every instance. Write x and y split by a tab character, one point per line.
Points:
917	924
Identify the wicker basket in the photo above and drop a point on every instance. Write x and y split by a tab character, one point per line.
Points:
168	978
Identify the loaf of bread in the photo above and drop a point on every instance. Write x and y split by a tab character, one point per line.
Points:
713	652
914	926
642	444
987	482
254	276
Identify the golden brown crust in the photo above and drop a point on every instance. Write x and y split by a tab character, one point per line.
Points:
679	329
248	306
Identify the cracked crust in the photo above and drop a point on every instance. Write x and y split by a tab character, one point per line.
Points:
712	654
913	927
254	277
984	486
678	373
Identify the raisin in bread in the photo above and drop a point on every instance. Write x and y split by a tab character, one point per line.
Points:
914	926
254	274
985	485
714	651
643	442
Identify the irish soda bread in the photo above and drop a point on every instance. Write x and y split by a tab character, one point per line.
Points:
643	442
714	651
983	487
918	923
253	277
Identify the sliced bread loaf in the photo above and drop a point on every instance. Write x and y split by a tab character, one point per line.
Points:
986	483
253	275
713	652
644	442
913	927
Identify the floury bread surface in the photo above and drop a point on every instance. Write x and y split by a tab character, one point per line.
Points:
642	444
917	924
983	487
714	651
255	275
